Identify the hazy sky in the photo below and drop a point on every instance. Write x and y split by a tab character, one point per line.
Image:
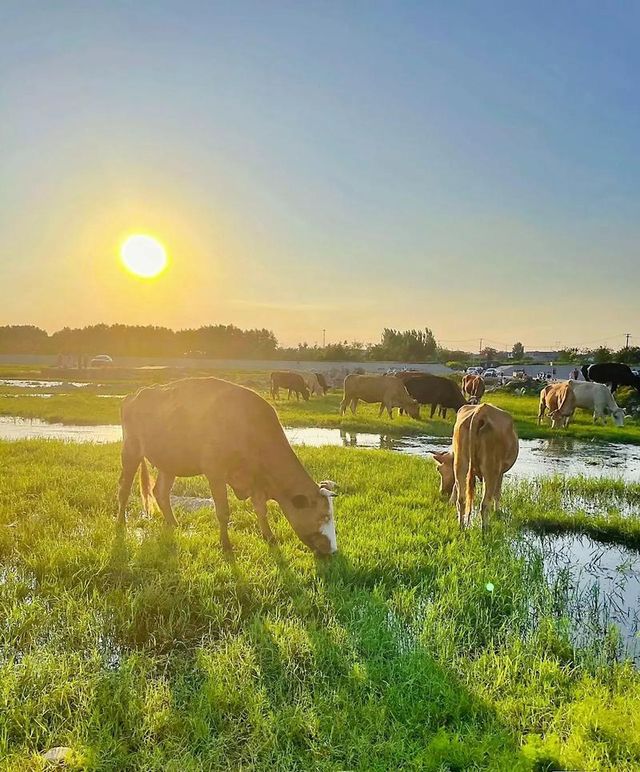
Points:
473	167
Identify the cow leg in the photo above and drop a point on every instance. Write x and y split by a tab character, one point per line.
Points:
463	506
380	412
162	494
130	463
343	405
354	405
541	410
390	411
433	410
260	505
614	386
221	502
443	412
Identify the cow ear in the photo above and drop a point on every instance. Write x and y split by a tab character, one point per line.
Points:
300	501
439	457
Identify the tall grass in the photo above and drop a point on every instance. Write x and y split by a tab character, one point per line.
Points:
153	651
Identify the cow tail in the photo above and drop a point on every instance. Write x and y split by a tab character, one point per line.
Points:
145	487
478	424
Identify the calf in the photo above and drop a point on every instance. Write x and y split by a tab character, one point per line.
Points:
559	400
293	382
484	447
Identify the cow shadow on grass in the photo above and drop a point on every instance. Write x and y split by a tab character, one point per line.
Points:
328	676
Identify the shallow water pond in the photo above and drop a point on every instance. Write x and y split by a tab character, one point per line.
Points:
25	384
598	583
538	458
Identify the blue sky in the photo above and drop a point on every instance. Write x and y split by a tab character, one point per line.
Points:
471	167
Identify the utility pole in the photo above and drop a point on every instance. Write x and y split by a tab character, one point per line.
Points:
480	349
324	338
628	335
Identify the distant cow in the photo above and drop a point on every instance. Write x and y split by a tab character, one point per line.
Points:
323	382
293	382
614	373
231	435
597	399
484	447
388	390
559	400
311	381
473	387
434	390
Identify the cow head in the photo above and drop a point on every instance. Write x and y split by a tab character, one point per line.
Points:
617	416
413	408
311	516
305	393
444	465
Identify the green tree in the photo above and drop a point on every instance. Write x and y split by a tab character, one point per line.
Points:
518	351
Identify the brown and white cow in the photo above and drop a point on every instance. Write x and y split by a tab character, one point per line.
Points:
231	435
388	390
473	387
484	447
559	400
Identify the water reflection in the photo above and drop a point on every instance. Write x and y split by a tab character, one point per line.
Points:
598	584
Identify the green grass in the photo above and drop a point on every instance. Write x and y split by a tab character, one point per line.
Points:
153	652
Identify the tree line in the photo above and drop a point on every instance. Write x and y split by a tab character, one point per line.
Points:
222	341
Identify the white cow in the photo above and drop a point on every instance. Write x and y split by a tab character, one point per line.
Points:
313	384
597	398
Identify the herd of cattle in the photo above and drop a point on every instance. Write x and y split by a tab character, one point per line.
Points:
233	436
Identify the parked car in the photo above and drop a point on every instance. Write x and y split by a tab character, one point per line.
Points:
474	371
101	360
491	372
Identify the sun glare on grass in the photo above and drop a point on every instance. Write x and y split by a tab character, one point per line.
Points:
143	255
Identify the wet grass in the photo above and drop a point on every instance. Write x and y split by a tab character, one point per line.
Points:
603	509
152	651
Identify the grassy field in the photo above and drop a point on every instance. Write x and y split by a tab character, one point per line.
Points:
87	408
153	652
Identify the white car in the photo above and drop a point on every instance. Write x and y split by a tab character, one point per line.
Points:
474	371
102	360
491	372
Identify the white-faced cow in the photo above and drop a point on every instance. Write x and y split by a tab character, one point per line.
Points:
484	447
231	435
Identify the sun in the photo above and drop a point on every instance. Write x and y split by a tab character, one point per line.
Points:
143	255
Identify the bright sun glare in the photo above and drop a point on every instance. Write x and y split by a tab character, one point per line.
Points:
143	255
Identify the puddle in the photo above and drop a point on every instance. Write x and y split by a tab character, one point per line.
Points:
598	584
23	384
32	428
540	457
21	396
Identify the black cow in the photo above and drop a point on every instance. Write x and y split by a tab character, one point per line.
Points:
433	390
614	373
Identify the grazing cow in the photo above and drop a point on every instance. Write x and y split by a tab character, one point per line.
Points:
597	399
293	382
559	400
484	447
232	436
473	387
614	373
434	390
388	390
323	382
311	381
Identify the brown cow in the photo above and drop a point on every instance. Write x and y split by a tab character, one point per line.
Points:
559	400
388	390
473	387
231	435
293	382
485	446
